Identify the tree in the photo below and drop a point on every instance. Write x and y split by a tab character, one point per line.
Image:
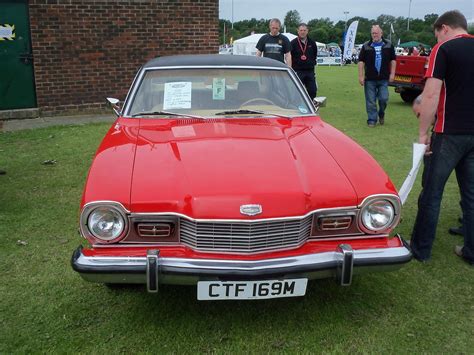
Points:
407	36
324	30
384	21
427	38
430	19
292	20
319	35
417	25
322	22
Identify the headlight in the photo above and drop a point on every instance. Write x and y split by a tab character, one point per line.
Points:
104	223
377	215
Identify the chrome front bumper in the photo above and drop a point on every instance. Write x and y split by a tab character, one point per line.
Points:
153	269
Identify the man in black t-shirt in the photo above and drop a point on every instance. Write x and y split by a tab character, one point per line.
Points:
447	105
303	57
275	45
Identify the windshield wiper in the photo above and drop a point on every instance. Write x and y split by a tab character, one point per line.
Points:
166	113
239	112
246	112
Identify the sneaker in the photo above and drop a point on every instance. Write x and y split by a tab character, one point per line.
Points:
371	125
455	230
458	250
381	120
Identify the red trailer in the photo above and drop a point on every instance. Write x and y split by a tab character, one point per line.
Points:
410	76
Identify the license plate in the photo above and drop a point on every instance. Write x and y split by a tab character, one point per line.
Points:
406	79
250	290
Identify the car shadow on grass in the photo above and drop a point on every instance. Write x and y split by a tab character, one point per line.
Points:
325	297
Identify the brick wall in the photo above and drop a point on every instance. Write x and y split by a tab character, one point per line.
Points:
86	50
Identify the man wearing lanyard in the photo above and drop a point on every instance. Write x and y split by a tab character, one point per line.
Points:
377	62
304	53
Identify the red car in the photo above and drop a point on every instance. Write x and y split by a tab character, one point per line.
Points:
219	172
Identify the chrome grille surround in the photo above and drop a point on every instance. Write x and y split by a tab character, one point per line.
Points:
245	236
154	230
334	223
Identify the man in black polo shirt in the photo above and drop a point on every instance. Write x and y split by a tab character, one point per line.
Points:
447	104
275	45
303	57
376	66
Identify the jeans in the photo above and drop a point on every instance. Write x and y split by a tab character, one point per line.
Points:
309	81
449	152
375	90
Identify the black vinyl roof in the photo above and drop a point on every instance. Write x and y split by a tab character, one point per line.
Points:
214	60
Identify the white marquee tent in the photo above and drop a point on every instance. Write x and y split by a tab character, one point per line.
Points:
246	45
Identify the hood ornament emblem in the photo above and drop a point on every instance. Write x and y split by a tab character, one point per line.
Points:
250	210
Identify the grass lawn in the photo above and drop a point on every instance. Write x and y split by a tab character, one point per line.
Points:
46	307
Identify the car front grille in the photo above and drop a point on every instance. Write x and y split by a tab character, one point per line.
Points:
245	237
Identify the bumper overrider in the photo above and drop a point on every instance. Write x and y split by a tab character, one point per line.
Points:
153	269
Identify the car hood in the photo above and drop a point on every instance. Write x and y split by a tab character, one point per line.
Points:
208	169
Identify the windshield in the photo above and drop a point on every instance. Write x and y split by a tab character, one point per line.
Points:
219	93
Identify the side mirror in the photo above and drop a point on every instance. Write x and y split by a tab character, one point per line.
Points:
115	104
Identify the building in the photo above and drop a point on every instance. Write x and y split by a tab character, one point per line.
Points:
61	56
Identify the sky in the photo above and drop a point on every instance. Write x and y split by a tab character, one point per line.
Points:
334	9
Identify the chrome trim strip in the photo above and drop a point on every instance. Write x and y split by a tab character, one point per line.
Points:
346	237
132	91
105	202
182	267
396	197
217	67
310	240
129	93
132	215
151	214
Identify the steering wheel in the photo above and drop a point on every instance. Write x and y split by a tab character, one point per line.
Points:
256	99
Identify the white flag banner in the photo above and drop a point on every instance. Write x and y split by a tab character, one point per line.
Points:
418	152
350	40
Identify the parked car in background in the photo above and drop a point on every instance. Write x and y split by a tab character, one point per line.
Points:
410	76
226	49
220	173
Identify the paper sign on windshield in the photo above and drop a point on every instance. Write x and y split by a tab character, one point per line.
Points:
218	88
177	96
